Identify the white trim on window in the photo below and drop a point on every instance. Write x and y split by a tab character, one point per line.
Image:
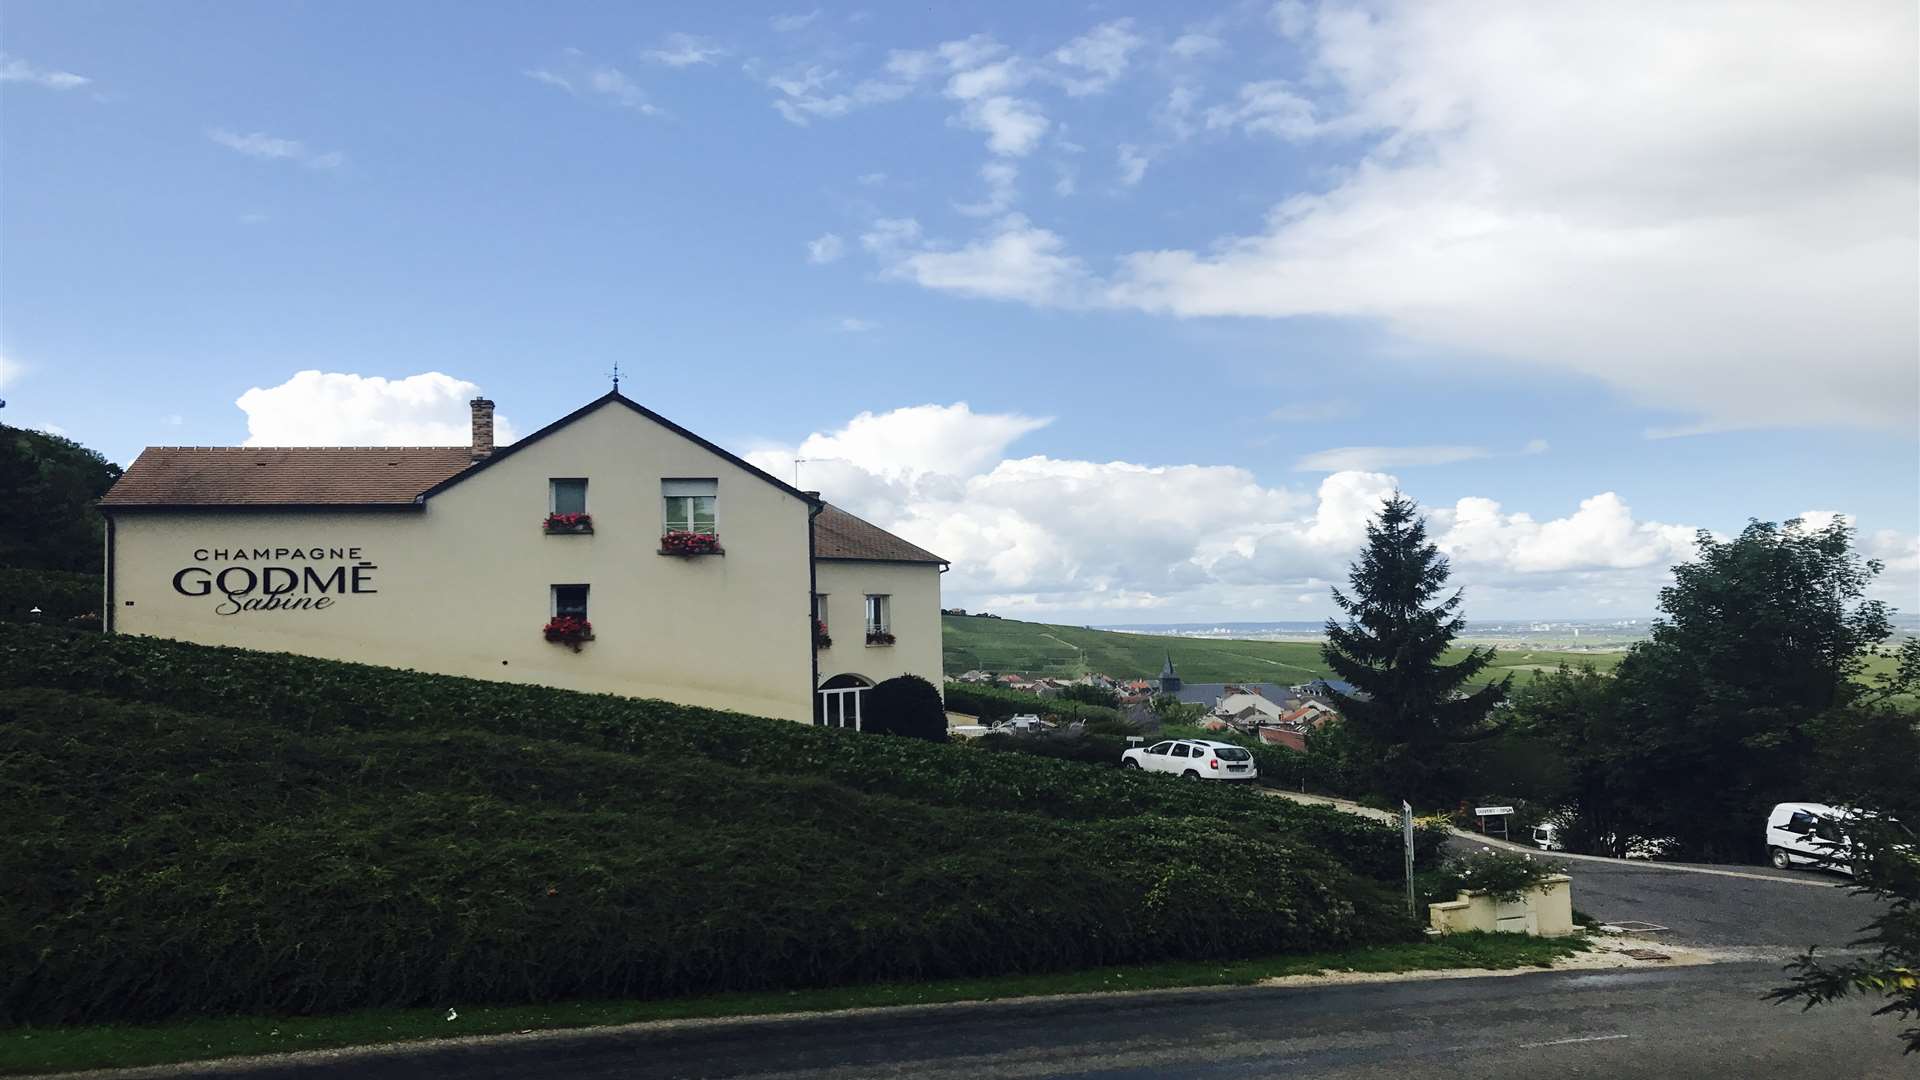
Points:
688	517
879	613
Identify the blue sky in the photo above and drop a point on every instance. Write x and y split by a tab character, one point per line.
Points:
1491	254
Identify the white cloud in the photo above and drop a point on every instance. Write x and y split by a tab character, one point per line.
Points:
1289	18
1098	57
684	50
852	325
13	69
316	408
1271	107
787	24
872	179
1013	126
584	78
1536	446
261	145
805	94
1133	164
1194	45
1037	535
1016	261
1697	224
173	419
1373	458
1000	177
10	371
825	248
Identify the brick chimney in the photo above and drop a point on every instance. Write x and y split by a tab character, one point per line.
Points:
482	428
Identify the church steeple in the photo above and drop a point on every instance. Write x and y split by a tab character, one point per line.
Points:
1169	678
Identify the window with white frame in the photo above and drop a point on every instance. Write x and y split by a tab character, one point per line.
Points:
820	610
879	614
566	496
569	600
690	505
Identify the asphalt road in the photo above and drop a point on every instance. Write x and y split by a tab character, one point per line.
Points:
1698	1021
1778	912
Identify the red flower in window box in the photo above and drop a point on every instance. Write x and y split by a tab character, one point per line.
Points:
569	523
568	630
821	639
681	542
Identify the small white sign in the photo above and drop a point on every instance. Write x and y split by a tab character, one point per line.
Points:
1492	811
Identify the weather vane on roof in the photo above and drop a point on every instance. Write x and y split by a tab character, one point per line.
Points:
616	376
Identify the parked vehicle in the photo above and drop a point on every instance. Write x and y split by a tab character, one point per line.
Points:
1809	833
1023	724
1546	837
1193	759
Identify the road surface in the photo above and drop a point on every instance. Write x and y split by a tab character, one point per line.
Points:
1668	1023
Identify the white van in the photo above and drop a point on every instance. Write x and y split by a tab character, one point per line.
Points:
1805	832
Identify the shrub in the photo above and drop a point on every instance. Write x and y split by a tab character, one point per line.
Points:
905	705
64	598
1504	875
991	703
305	694
173	863
1090	749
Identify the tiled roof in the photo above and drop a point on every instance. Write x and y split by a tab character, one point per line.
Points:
247	476
839	535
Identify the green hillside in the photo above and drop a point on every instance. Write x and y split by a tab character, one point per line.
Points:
194	830
1007	645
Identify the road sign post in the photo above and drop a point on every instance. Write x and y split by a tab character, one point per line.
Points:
1406	836
1501	812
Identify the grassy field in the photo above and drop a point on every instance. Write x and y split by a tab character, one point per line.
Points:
1006	645
99	1046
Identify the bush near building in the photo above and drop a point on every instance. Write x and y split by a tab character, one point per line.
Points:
905	705
64	597
197	830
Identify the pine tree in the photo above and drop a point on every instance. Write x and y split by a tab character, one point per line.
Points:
1410	710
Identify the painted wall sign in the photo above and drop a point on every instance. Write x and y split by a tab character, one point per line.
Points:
276	578
1492	811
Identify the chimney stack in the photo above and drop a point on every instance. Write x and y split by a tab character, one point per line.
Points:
482	428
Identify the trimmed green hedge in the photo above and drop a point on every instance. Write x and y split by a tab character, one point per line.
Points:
63	597
159	863
307	694
994	703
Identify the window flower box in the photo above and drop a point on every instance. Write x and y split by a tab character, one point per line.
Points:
689	544
568	524
879	637
568	630
821	639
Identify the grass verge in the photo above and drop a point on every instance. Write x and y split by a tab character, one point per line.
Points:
95	1046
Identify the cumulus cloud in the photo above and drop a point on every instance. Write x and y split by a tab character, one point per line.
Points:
10	371
1366	458
14	69
326	408
853	325
1000	178
1016	261
1043	536
787	24
1696	225
825	248
261	145
1133	164
1194	44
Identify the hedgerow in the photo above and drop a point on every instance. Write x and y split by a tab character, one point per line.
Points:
995	703
162	863
302	693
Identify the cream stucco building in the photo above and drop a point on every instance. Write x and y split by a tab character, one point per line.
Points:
699	578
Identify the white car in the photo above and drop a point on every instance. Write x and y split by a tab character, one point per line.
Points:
1810	833
1193	759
